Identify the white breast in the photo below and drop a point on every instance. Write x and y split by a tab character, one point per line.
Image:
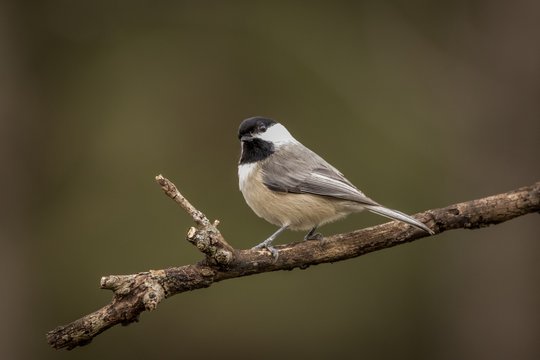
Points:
244	171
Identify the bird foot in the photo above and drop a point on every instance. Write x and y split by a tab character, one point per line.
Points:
271	249
316	236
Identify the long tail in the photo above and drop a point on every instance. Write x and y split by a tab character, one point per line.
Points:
398	215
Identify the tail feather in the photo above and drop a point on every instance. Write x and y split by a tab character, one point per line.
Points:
398	215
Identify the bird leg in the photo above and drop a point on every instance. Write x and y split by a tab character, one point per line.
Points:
266	244
311	235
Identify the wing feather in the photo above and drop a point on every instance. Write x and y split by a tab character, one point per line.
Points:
296	169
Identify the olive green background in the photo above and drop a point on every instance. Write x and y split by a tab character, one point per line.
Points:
421	104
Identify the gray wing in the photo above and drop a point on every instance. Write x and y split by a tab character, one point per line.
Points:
296	169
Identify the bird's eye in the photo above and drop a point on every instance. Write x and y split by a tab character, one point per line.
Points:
262	128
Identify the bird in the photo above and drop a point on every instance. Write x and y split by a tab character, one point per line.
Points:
292	187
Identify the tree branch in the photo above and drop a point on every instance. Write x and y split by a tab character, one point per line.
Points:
136	293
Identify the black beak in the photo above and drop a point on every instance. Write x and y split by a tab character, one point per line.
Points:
246	138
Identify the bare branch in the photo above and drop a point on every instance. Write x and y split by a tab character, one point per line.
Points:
136	293
206	237
171	191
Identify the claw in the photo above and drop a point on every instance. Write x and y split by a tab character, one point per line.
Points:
266	243
312	235
271	249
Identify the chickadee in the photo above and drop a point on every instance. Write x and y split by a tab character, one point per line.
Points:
290	186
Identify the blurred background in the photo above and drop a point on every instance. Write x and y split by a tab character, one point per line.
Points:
421	104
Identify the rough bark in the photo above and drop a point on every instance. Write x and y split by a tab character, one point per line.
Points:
136	293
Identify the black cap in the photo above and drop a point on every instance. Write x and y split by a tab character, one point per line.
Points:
255	125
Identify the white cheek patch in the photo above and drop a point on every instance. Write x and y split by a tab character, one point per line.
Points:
244	172
277	134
